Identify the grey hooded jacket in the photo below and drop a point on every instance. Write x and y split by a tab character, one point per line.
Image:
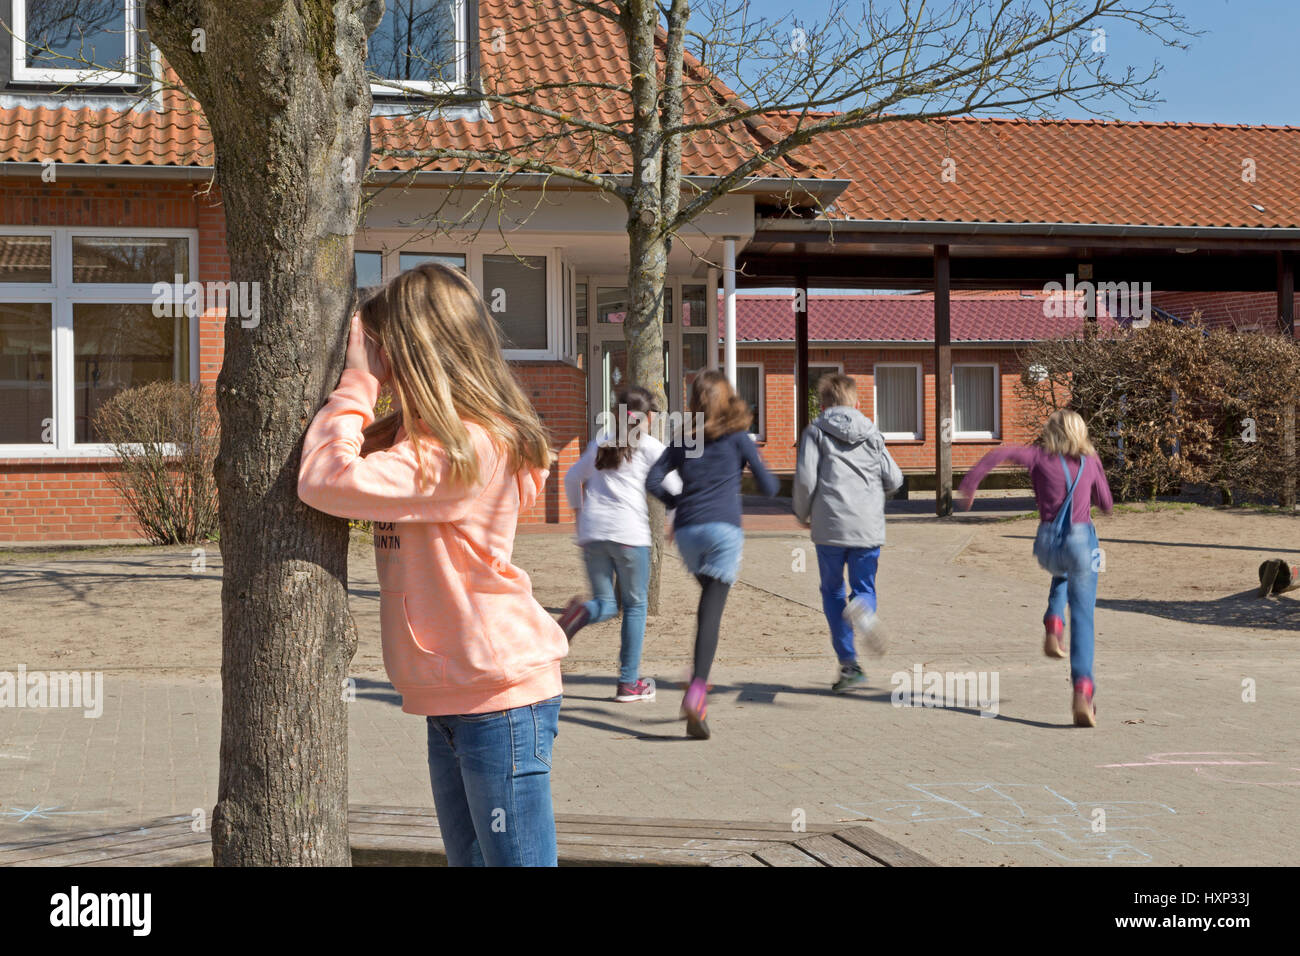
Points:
843	475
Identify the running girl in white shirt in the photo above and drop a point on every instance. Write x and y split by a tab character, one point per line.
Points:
614	533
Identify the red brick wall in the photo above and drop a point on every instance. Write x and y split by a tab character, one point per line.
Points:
61	499
779	446
558	392
1235	310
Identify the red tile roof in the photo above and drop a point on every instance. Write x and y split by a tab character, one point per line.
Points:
1006	171
998	317
1075	171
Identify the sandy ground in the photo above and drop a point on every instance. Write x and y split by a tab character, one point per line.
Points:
155	611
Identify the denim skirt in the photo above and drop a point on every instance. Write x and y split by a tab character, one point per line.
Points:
711	549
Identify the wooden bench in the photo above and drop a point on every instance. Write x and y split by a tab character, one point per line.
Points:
409	836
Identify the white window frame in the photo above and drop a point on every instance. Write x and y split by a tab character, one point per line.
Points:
761	411
997	402
22	73
397	87
390	244
62	294
919	434
794	373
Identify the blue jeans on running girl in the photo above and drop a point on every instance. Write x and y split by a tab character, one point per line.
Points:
1076	585
491	777
862	564
631	564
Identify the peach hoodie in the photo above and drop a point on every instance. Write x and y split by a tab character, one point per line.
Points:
462	633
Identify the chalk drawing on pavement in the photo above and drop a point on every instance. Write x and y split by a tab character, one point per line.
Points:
1221	766
1031	815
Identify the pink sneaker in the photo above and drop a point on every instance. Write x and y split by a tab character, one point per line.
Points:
1054	638
1085	711
642	690
695	707
575	617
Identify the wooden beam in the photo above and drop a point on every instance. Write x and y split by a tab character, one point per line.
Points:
801	355
942	383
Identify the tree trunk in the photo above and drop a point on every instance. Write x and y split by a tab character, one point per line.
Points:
283	88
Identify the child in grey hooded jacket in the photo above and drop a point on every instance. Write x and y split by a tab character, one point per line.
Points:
842	477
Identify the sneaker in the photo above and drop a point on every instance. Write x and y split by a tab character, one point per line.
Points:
575	617
1054	638
695	707
1085	711
850	676
866	625
642	690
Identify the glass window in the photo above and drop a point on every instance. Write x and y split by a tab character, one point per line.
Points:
668	305
409	260
415	44
897	406
611	306
695	356
118	346
514	288
370	270
25	258
114	259
580	304
749	387
79	35
695	306
815	373
974	408
26	375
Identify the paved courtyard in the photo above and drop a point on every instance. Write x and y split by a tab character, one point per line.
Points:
1181	770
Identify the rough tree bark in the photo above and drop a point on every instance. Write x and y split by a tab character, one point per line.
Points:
283	88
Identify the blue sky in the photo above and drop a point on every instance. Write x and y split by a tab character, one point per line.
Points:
1244	68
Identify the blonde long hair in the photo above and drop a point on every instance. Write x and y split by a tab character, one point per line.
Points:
1066	434
447	369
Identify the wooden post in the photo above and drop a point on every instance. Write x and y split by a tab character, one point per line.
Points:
801	355
1286	319
942	384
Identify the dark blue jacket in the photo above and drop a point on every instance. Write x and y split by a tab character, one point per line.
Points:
710	480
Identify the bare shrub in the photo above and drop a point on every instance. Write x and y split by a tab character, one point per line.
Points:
1166	405
165	436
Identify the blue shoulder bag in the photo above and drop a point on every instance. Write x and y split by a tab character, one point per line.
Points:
1050	544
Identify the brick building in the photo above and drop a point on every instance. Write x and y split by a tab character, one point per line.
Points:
106	192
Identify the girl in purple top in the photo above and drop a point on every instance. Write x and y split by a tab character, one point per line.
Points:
1064	441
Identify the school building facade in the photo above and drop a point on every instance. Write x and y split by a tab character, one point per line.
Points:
106	191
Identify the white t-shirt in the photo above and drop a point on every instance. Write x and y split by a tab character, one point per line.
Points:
614	508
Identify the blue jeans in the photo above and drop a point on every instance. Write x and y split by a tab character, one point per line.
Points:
862	563
1077	587
491	778
631	564
712	549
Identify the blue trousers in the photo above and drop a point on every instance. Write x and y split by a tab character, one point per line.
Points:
1077	587
491	778
606	560
861	563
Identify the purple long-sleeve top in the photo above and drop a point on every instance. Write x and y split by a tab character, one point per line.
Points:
1048	480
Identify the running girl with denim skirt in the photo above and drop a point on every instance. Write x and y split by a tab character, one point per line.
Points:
607	489
444	478
707	521
1068	479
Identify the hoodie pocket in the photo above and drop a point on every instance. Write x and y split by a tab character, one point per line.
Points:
408	663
